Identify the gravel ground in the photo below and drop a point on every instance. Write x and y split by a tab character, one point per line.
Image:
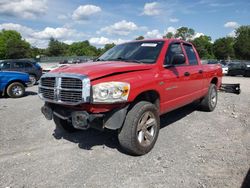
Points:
194	148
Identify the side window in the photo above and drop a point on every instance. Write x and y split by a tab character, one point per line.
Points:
191	55
18	65
28	65
5	65
172	50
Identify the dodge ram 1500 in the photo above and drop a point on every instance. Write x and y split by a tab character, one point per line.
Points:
128	88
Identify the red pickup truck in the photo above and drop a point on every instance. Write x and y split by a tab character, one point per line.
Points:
128	88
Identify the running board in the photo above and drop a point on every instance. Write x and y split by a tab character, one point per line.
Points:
231	88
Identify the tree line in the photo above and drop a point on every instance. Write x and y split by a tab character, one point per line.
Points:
223	48
13	46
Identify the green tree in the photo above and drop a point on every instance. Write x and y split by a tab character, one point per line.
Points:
106	48
82	48
169	35
242	42
56	48
204	46
140	38
223	48
12	45
184	33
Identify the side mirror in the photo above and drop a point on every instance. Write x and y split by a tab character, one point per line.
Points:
178	59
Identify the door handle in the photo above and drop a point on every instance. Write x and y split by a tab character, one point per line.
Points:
186	74
200	71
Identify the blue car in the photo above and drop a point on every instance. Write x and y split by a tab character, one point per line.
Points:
13	83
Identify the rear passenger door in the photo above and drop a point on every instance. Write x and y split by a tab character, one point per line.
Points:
28	67
18	66
195	70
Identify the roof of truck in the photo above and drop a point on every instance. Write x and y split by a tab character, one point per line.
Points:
163	39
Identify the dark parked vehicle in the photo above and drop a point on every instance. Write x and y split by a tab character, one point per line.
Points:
32	68
235	69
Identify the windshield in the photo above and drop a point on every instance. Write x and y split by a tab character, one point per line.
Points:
138	52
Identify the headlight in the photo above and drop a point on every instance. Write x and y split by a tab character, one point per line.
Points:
110	92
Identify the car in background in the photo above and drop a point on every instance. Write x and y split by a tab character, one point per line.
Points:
48	68
239	68
32	68
213	62
13	83
224	69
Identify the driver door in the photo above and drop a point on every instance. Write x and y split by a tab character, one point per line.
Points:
176	80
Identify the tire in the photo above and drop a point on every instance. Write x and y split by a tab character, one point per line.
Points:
32	79
209	102
64	125
15	90
132	136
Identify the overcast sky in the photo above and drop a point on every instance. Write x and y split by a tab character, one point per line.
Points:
106	21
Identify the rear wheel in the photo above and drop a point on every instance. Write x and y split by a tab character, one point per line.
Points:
15	90
209	102
141	128
64	124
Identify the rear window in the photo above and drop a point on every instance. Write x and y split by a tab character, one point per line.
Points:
28	65
191	55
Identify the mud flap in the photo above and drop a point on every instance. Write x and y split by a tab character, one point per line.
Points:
230	88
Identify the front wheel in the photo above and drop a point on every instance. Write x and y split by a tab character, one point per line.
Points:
15	90
141	128
209	102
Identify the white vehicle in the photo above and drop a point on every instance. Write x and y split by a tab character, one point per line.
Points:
224	69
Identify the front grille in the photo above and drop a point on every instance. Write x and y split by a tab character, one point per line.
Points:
66	89
71	83
47	93
69	96
48	82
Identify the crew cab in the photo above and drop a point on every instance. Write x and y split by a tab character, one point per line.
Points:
13	83
128	88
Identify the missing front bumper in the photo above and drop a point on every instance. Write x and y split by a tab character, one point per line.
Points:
231	88
84	120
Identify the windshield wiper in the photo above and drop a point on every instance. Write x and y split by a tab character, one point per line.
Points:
133	60
99	60
126	60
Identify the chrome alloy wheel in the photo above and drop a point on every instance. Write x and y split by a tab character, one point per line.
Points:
146	128
213	97
17	90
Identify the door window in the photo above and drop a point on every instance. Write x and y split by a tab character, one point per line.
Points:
172	50
5	65
191	55
18	65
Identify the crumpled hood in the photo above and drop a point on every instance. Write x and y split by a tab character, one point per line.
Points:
95	70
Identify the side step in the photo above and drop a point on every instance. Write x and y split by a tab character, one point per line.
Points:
231	88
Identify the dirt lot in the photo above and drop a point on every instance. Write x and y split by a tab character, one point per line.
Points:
194	148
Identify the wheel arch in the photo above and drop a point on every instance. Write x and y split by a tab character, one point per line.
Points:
215	81
12	81
152	96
